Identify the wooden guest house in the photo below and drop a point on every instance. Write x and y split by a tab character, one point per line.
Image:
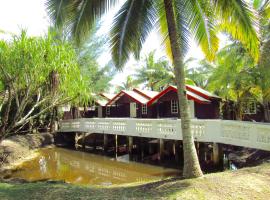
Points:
151	104
95	109
202	104
139	103
132	104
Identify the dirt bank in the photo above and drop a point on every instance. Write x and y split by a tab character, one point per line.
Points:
19	147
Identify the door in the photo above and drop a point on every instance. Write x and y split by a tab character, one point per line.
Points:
133	110
100	111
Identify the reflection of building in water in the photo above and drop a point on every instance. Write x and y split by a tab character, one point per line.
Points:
43	165
84	168
97	169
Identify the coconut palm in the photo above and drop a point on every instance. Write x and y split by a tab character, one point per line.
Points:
263	8
177	20
234	77
155	73
128	84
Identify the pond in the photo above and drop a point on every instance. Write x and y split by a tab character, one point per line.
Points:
88	169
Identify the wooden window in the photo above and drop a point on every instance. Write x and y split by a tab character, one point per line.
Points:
108	110
249	107
144	109
174	106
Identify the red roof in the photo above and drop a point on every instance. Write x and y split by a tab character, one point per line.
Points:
190	95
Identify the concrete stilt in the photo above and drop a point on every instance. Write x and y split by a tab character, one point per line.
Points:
161	149
217	154
197	148
105	142
130	146
116	146
142	147
176	148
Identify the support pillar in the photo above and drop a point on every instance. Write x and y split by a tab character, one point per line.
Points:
105	143
130	147
176	149
130	144
116	146
217	154
142	147
161	149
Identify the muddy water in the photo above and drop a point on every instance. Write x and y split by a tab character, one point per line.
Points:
87	169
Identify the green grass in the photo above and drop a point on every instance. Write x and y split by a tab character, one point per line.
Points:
249	183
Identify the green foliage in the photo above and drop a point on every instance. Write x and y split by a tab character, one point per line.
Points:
129	84
155	74
200	72
134	21
27	65
98	77
26	61
234	77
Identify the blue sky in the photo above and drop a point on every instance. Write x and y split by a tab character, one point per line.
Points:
31	15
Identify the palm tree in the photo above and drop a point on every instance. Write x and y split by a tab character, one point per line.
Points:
155	74
263	8
129	84
234	77
201	73
176	20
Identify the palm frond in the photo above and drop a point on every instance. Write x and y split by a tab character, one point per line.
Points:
240	20
201	25
57	11
132	24
78	16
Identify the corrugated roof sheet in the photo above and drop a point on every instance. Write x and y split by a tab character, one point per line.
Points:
200	90
107	95
147	93
190	95
101	102
134	95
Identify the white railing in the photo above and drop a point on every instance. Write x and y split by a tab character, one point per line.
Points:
248	134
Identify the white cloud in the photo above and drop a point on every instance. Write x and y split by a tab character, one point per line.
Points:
27	14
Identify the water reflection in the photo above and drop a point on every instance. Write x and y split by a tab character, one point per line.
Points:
84	168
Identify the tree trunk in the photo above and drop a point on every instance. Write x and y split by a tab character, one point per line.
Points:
264	69
191	163
266	110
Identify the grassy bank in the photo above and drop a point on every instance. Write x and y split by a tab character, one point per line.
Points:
248	183
16	149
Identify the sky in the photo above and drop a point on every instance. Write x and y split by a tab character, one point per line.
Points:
31	15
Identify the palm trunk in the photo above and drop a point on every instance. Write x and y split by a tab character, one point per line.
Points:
263	66
191	163
266	110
